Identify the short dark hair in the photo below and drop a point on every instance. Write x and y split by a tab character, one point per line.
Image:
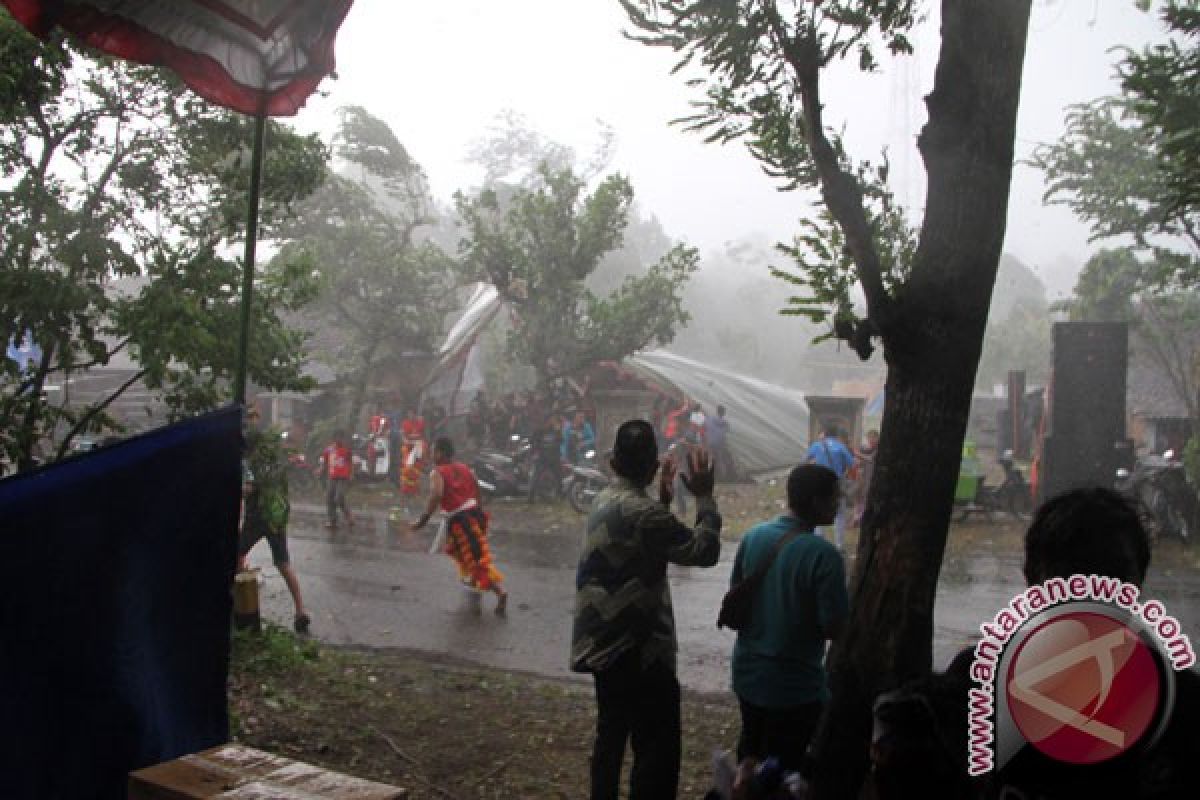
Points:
1087	531
720	411
444	446
832	431
807	482
635	449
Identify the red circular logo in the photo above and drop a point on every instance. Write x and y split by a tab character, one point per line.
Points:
1083	688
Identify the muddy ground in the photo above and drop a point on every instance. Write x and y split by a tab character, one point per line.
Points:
436	726
444	727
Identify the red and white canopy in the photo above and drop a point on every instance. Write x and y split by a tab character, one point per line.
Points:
253	56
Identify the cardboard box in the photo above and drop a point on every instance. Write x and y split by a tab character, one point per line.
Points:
234	772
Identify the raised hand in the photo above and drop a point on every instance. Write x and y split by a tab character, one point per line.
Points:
666	480
700	481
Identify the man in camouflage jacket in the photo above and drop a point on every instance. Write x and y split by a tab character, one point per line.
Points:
624	629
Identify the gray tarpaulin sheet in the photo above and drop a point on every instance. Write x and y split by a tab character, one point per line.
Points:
768	423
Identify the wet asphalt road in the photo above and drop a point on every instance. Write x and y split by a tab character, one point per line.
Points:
378	586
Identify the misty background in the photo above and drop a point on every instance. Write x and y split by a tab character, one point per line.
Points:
444	77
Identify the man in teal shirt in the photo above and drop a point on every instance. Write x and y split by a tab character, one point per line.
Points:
778	661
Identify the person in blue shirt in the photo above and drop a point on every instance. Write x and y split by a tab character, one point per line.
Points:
578	437
778	661
829	452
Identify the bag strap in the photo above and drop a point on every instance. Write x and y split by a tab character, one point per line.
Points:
780	543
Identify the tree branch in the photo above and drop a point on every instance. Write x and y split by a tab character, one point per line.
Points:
93	411
839	188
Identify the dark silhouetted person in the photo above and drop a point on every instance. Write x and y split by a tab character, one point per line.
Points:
624	630
1092	531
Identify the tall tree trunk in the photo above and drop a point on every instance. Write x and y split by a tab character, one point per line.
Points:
932	341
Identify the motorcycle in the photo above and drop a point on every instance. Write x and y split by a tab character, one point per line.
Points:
1158	485
372	457
584	482
1012	496
502	474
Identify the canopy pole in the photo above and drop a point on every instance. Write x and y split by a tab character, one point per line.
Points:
256	159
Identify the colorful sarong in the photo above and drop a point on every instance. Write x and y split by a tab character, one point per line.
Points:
467	544
412	463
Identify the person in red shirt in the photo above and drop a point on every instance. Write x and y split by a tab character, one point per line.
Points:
453	489
412	454
338	463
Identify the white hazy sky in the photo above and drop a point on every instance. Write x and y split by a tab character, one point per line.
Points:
439	73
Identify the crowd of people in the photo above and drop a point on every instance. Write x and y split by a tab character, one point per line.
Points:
623	629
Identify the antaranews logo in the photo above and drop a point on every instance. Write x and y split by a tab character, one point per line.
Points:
1076	667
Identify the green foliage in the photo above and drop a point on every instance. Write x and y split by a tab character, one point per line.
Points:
384	287
828	271
1128	164
123	194
538	245
272	651
1107	286
1162	84
1105	168
1117	286
763	61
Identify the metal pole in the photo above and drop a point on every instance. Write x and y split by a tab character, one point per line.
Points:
256	159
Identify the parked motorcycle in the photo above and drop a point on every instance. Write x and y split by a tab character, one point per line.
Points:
1158	485
372	456
1013	496
501	474
584	482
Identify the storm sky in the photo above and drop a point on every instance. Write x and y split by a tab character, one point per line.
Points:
439	73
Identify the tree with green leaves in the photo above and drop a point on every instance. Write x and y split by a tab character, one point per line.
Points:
926	291
1119	286
385	288
1162	84
123	194
538	243
1129	165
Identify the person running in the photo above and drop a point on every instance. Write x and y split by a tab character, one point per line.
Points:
624	628
338	464
266	508
453	489
778	660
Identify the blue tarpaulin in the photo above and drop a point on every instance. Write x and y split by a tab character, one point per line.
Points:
115	576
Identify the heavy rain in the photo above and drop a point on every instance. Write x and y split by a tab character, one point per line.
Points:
396	395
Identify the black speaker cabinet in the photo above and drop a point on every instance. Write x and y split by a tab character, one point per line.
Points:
1086	427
